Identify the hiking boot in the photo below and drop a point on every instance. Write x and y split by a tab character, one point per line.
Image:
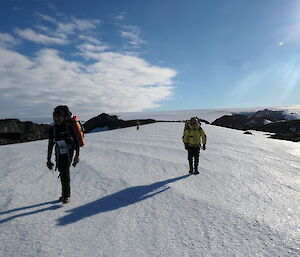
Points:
66	200
60	199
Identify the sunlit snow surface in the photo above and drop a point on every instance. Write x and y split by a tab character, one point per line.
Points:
131	196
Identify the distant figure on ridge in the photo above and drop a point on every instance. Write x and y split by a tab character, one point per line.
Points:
193	136
67	136
138	125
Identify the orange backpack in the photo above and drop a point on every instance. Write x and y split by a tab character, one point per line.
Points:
78	129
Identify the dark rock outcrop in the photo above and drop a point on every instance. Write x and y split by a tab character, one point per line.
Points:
266	120
111	122
295	137
250	120
15	131
285	130
204	121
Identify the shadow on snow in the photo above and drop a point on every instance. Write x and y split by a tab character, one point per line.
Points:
52	207
117	200
28	207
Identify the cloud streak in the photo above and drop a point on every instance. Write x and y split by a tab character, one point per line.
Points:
7	40
36	37
132	33
72	25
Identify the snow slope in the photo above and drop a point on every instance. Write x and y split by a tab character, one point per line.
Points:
131	197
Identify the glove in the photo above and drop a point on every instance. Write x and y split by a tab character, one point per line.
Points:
186	146
49	165
76	160
204	147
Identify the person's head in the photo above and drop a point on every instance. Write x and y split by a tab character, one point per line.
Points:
58	117
61	113
194	121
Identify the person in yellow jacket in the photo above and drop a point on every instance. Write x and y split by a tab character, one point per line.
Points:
193	137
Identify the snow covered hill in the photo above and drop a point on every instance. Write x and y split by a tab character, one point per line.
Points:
131	196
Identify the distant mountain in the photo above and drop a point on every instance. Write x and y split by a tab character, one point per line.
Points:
278	122
284	124
16	131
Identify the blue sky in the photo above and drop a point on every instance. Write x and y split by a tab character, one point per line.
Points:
138	55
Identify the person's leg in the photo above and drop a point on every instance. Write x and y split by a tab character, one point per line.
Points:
196	155
64	169
190	158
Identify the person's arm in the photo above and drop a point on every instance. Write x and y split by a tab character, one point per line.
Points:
76	157
203	137
50	150
77	150
185	138
76	147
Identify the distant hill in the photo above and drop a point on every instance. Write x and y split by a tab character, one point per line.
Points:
285	126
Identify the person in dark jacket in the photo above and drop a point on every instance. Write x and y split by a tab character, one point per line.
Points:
63	137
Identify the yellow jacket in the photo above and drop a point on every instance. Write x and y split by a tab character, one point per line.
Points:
193	136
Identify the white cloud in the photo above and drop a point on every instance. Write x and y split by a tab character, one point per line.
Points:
83	24
114	82
72	25
36	37
61	31
105	80
8	40
90	39
120	17
92	48
132	33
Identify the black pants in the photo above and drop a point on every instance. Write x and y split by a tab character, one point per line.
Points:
193	154
63	165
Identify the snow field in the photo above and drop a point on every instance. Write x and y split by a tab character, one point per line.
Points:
131	196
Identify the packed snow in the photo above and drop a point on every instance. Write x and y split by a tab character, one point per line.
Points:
132	196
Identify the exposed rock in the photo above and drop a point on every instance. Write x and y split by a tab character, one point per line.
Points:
237	121
250	120
295	137
204	121
269	115
289	126
111	122
268	121
15	131
248	133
